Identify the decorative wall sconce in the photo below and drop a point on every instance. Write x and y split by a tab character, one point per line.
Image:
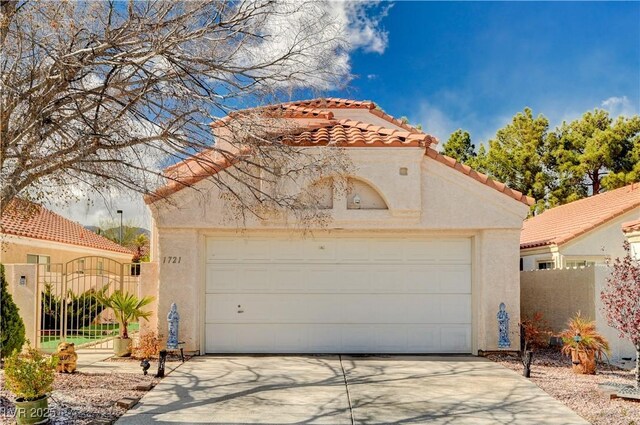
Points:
356	201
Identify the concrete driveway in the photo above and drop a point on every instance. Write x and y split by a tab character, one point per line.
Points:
347	390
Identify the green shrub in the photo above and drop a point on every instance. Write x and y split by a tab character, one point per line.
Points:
11	324
30	375
81	310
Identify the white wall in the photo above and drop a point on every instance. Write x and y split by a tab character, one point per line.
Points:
605	240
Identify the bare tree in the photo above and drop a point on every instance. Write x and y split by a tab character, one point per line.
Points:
105	94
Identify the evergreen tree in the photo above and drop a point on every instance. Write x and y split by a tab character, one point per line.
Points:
11	324
592	154
515	155
459	147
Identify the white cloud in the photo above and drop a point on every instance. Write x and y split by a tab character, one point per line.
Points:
324	35
619	106
362	28
97	210
435	122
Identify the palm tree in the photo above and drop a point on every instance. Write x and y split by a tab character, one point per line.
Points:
127	308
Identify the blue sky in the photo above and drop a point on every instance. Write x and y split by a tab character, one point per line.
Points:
474	65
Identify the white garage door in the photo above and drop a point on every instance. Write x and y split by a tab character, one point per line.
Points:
338	295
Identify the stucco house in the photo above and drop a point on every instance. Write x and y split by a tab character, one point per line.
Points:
581	233
417	256
41	236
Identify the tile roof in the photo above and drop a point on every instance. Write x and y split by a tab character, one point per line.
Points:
320	128
343	133
351	133
192	170
561	224
334	103
631	226
317	108
26	219
482	178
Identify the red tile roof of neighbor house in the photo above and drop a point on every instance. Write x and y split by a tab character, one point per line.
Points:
561	224
323	130
29	220
631	226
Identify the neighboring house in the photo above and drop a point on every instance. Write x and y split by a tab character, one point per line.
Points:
30	233
631	230
418	257
581	233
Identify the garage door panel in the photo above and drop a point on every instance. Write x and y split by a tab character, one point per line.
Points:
217	251
314	250
386	251
222	278
347	308
455	279
338	295
342	338
352	250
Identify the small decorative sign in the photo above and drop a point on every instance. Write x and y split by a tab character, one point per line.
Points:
171	260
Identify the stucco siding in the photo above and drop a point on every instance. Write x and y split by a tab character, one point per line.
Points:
560	294
497	281
607	239
429	200
180	270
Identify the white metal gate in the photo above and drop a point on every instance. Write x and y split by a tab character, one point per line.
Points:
67	307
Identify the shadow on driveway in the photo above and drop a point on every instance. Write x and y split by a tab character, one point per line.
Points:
347	390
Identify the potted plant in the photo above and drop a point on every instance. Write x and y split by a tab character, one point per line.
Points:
29	376
583	344
127	308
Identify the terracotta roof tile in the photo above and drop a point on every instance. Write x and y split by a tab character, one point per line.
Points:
500	187
26	219
351	133
561	224
333	102
631	226
317	108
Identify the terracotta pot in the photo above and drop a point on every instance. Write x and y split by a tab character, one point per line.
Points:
32	412
584	361
122	347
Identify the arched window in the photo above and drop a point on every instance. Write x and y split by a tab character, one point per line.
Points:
362	196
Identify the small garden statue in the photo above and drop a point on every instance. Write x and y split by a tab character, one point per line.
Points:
67	357
503	327
174	319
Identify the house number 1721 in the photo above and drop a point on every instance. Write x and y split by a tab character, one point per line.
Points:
171	260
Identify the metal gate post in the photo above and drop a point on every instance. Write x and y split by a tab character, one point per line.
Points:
63	306
37	308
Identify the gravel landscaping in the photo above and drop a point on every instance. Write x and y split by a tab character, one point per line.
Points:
82	398
552	372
